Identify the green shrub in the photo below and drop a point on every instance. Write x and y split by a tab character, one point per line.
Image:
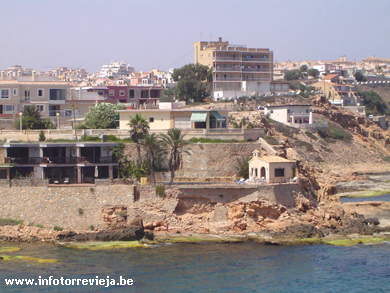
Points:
122	214
160	190
92	190
39	225
311	135
10	222
58	228
42	136
81	211
90	138
242	167
92	227
334	133
271	140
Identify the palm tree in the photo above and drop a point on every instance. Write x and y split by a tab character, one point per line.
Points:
174	142
139	127
152	147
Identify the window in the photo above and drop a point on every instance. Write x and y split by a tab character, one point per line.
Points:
5	93
40	93
57	94
151	119
27	95
40	108
111	93
8	109
122	93
288	111
68	113
15	92
279	172
131	94
307	110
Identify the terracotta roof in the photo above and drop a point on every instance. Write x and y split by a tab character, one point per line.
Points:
330	76
274	159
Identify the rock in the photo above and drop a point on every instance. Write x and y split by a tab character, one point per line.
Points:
372	221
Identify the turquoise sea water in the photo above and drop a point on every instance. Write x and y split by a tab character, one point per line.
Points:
245	267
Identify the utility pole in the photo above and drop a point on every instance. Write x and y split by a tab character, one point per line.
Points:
74	107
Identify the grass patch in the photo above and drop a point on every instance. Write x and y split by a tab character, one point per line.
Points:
10	222
311	135
271	140
309	147
209	140
284	129
387	158
58	228
194	239
334	133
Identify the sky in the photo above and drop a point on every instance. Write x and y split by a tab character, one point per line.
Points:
147	34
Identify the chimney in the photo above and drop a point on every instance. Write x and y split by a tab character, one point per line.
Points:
19	72
34	74
220	40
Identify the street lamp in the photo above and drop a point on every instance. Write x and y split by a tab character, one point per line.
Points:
58	120
20	115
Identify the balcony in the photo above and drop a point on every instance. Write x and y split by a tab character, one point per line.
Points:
256	69
245	59
96	160
59	160
256	79
23	160
237	78
226	69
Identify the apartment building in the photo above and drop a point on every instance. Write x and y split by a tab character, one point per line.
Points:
58	162
46	93
116	69
237	70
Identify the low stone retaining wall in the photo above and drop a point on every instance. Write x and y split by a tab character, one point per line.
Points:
76	207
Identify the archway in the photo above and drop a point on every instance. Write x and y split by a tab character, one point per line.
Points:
263	173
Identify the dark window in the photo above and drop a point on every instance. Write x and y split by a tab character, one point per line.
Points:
57	94
151	119
279	172
131	94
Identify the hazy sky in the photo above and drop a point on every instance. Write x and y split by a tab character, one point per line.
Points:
44	34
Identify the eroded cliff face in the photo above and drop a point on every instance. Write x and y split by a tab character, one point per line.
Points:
250	213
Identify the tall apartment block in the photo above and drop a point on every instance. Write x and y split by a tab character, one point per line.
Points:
237	70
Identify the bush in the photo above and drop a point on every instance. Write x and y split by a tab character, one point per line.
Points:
311	135
81	211
58	228
42	136
334	133
10	222
242	167
92	227
160	190
271	140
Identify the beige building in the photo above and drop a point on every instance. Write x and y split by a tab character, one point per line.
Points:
271	169
193	122
337	92
237	70
163	119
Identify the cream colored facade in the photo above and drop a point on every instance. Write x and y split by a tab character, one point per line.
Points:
237	70
338	94
163	119
271	169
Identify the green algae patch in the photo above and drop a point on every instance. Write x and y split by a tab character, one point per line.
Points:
105	245
368	194
354	241
27	259
9	249
195	239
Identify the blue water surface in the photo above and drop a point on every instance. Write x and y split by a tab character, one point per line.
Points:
245	267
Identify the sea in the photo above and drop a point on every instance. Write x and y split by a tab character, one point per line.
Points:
207	267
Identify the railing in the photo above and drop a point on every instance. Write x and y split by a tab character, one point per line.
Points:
58	160
22	160
257	69
256	79
219	69
228	79
256	59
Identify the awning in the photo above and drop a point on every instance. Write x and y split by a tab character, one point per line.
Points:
198	116
217	116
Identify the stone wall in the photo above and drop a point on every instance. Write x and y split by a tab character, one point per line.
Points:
80	207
